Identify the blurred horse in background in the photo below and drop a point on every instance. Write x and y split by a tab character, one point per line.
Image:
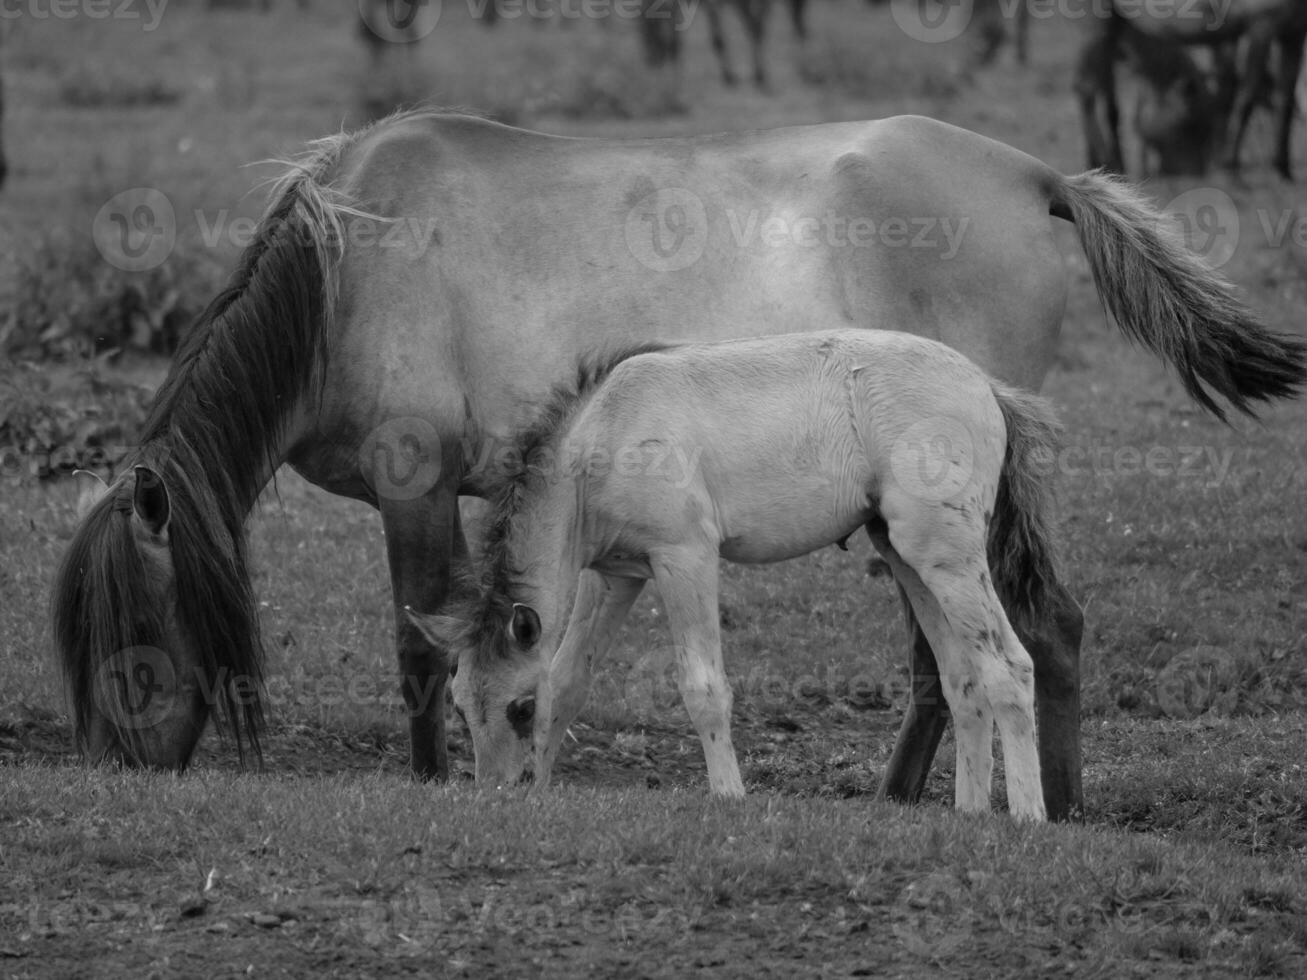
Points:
663	21
1177	108
1251	28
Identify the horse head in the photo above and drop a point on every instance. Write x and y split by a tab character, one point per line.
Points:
496	670
145	619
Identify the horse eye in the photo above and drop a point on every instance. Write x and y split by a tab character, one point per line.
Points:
520	715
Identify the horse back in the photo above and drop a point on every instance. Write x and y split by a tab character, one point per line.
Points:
510	255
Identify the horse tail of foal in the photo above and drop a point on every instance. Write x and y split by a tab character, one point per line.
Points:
1168	299
1022	557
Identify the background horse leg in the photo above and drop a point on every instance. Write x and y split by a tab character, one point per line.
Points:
687	583
1055	649
719	40
1095	87
755	14
923	723
1290	59
602	602
422	537
1250	90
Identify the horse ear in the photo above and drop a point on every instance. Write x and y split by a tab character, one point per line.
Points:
150	501
90	491
524	627
431	627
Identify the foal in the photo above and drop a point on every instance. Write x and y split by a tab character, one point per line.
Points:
664	460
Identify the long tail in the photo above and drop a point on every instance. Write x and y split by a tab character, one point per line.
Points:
1166	298
1022	556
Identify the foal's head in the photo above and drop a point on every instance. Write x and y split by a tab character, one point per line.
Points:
496	667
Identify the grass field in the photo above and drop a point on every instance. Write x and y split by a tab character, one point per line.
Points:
1182	537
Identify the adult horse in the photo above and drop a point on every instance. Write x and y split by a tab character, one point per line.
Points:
1259	24
417	289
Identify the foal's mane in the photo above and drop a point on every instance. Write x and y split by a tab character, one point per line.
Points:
480	614
212	434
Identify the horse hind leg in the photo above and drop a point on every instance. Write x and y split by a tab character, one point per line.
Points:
687	583
924	721
938	558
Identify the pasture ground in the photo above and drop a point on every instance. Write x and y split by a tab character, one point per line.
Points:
1183	538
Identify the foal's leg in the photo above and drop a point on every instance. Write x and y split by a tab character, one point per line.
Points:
602	602
985	673
422	536
924	721
687	582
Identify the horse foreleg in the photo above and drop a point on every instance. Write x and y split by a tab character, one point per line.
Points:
422	537
602	602
1055	649
923	725
687	583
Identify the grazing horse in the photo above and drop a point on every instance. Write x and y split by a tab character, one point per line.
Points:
1259	24
659	464
415	291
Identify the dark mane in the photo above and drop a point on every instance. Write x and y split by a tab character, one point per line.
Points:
485	602
212	435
